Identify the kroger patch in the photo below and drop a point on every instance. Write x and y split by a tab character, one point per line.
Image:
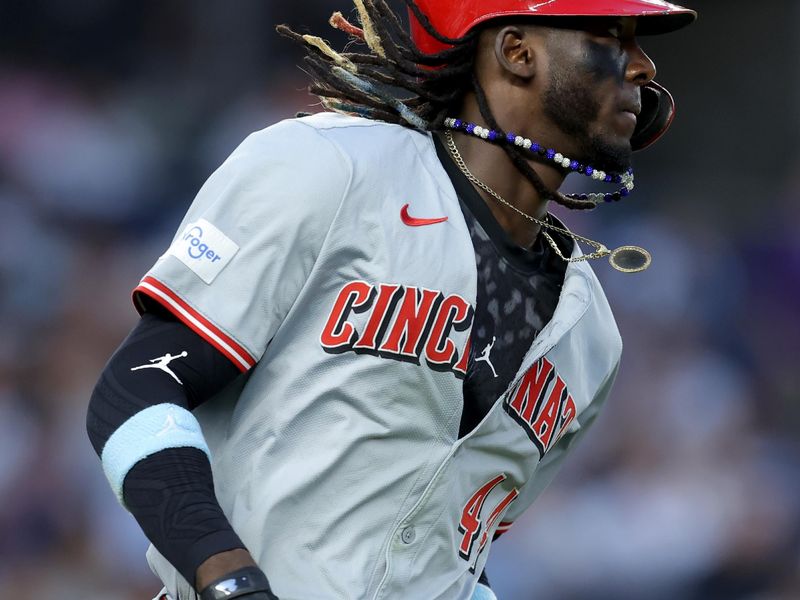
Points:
204	249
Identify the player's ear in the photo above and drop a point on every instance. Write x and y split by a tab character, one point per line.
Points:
514	51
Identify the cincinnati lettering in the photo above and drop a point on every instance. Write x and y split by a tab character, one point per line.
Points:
542	404
404	323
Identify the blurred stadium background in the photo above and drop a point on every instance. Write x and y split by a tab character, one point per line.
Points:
113	113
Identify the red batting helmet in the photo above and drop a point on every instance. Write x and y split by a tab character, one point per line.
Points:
454	20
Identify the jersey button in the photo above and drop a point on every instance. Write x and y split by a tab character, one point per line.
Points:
408	534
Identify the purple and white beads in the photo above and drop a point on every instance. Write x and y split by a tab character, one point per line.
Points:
626	179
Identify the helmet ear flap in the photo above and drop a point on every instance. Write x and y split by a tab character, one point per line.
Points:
658	111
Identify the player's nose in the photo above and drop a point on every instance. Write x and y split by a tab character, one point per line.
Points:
641	68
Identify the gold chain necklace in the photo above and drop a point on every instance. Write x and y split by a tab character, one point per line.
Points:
627	259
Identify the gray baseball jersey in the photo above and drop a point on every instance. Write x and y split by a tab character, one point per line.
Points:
328	258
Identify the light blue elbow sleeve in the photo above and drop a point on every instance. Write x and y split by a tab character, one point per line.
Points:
149	431
483	593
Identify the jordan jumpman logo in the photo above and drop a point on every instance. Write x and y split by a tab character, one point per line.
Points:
162	363
485	356
171	424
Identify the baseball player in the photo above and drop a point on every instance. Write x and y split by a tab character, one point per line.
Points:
369	346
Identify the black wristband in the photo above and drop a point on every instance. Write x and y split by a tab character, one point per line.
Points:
249	582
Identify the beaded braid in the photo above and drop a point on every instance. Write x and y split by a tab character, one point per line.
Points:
431	85
427	84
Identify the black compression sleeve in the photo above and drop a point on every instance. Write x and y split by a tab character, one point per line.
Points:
484	579
170	493
121	392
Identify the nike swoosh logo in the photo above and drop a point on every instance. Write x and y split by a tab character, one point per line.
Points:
415	222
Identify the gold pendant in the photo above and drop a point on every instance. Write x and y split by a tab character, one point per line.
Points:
630	259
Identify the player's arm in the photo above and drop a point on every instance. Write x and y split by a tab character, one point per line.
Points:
483	591
234	269
153	452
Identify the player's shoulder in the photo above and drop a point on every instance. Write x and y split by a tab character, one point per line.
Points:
327	147
356	138
340	125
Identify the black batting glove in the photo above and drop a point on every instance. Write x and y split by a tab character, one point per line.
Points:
248	583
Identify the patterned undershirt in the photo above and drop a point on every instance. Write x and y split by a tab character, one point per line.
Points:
518	290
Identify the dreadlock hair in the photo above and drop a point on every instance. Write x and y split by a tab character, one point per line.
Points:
397	83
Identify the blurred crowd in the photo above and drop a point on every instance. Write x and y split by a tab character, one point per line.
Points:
113	113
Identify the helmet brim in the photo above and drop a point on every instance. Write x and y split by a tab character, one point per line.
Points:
660	24
654	17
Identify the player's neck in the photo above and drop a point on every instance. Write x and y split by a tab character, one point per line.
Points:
490	163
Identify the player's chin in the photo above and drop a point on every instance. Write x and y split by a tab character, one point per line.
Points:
612	153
